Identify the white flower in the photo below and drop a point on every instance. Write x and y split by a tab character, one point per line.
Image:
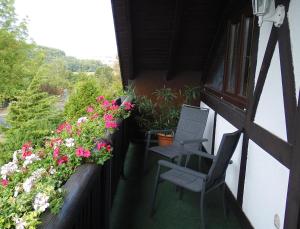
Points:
16	193
8	169
82	119
30	159
29	182
70	142
40	203
20	223
15	155
52	170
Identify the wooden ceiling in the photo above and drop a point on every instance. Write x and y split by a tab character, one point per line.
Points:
167	35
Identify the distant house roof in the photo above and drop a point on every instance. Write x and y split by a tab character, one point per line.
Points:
167	35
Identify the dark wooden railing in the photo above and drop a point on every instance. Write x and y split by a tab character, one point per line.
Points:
90	191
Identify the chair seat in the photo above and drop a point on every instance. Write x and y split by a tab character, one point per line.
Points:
183	179
170	151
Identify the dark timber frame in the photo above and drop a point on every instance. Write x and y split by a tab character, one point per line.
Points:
287	153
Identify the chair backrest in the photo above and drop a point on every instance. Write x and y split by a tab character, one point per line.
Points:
191	124
219	166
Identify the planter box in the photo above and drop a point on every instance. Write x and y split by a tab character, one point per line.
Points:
90	190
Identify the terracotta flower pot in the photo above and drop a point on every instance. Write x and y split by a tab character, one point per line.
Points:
165	139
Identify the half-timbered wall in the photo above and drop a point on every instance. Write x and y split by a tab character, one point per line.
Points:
266	179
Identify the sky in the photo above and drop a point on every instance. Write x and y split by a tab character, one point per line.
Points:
82	28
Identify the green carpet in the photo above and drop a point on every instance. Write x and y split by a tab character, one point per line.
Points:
132	202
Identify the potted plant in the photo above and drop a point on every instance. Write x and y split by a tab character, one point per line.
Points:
166	115
162	111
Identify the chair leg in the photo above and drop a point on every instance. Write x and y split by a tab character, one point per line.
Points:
202	210
157	181
146	152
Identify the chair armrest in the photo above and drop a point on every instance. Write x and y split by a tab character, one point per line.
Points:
202	154
158	131
189	141
170	165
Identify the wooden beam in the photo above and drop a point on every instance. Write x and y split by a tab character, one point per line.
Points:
174	39
291	220
230	112
275	146
243	166
287	78
123	31
263	72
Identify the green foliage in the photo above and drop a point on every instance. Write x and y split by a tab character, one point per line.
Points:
30	118
71	63
105	72
164	112
84	95
15	67
53	165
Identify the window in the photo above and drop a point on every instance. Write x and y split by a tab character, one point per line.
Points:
229	72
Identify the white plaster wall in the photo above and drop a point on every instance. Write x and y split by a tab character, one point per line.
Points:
209	128
271	100
222	127
232	173
265	188
266	179
294	19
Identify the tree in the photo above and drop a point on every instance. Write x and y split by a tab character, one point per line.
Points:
15	68
84	94
31	118
104	72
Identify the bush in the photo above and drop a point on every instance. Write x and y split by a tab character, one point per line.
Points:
84	94
30	118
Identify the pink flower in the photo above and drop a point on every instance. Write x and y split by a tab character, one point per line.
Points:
81	152
113	102
111	124
108	117
128	106
101	145
90	109
62	160
26	149
100	98
108	148
106	103
4	182
64	126
114	107
56	142
56	152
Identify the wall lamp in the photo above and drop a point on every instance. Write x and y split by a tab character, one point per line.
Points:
265	11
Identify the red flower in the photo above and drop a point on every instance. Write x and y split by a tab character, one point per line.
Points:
64	126
62	160
56	152
100	145
108	117
114	107
4	182
26	149
89	109
106	104
128	106
100	98
111	124
81	152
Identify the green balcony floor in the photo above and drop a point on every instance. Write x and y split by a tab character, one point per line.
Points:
132	202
